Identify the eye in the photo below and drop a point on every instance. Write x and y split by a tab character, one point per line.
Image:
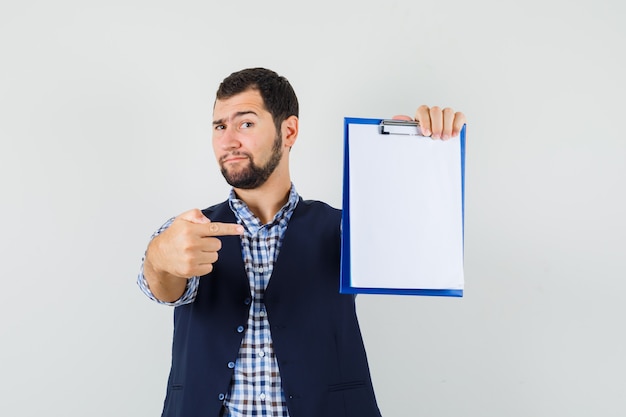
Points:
246	125
220	127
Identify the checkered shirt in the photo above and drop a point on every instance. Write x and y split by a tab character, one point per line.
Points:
256	388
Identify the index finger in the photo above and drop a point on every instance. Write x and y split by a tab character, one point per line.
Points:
223	229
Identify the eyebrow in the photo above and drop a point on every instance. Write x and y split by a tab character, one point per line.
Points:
234	116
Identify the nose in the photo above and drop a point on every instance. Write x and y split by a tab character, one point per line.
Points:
227	140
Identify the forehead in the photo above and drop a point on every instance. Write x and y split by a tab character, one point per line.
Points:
249	100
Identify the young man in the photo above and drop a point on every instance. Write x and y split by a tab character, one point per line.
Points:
259	326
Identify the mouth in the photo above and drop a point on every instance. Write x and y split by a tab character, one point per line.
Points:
233	158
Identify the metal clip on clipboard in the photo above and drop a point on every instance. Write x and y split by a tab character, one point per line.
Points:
400	127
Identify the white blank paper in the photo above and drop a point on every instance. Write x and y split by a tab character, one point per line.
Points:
405	210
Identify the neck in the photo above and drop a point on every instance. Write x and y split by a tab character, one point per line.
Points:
266	200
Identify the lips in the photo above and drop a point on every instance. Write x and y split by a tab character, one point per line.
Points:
233	158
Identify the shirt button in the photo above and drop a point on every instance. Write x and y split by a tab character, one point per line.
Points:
221	397
262	396
261	353
231	365
240	329
260	270
262	313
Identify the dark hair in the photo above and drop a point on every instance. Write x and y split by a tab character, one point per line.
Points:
277	94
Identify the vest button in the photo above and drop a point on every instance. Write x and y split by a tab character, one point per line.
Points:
240	329
247	301
221	397
231	365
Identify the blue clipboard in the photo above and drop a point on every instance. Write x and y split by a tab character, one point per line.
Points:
403	210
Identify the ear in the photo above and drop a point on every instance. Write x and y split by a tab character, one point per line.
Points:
289	130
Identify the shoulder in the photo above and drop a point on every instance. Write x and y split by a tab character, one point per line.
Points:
314	209
218	210
318	206
217	206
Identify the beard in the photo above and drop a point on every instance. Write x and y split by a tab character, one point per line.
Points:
253	175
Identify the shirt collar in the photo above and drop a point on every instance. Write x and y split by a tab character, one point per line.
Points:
250	221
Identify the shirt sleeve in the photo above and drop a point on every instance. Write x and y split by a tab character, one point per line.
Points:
192	283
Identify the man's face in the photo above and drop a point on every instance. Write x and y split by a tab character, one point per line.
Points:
245	141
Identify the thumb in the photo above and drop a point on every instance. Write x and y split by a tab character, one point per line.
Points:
194	216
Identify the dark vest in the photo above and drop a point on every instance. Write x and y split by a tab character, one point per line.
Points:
318	344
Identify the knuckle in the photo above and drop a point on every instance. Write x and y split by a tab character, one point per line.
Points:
212	244
187	249
188	258
186	271
186	234
213	257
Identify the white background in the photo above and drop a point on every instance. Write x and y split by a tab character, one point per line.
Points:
105	111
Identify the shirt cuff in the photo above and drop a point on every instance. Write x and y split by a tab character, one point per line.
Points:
192	283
